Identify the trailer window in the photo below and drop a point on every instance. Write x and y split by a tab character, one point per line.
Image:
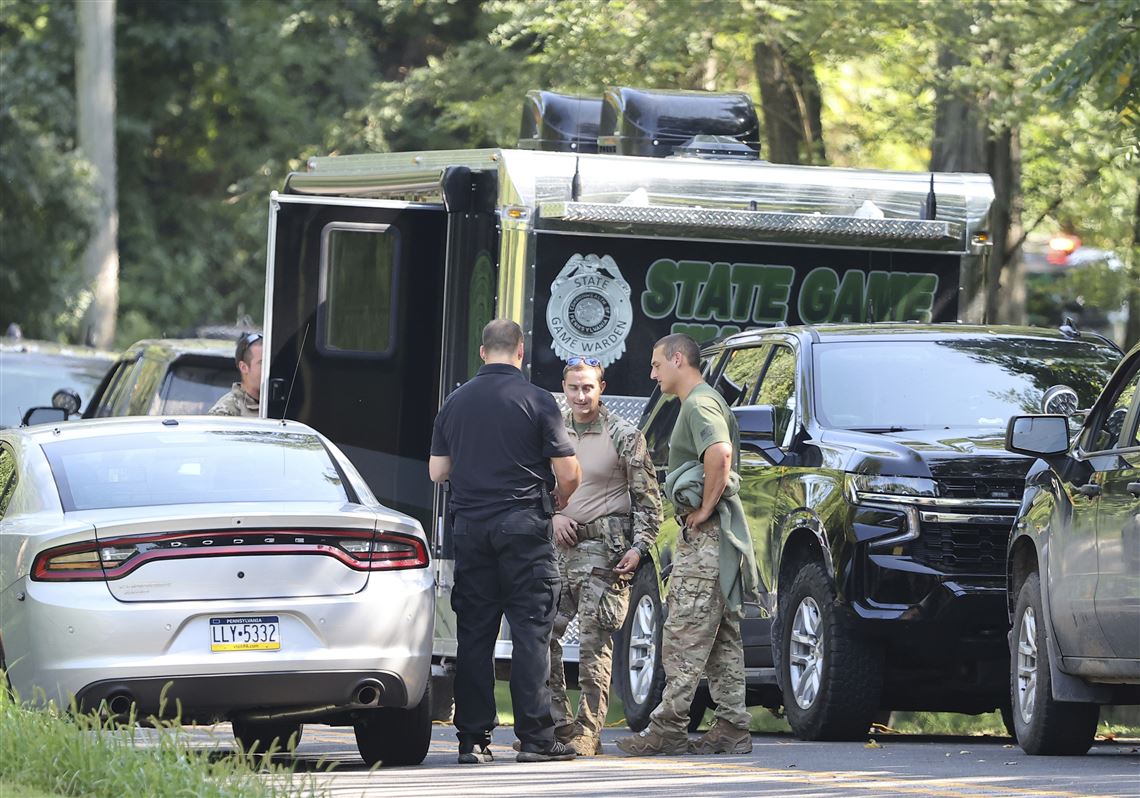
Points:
356	315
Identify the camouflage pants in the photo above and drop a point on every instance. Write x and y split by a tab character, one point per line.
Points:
701	636
581	594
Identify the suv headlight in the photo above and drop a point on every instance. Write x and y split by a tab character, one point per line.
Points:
876	487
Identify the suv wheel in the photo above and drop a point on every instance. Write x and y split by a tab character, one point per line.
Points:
637	659
832	678
1042	725
395	736
258	737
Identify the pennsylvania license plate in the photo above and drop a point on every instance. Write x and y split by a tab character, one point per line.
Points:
245	633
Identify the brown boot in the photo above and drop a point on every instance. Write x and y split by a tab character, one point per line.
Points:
650	743
722	738
586	745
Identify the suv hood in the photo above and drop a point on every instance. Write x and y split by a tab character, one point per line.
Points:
964	453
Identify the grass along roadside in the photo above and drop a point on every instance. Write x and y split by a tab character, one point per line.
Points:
81	755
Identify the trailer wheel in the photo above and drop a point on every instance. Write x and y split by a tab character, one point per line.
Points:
638	670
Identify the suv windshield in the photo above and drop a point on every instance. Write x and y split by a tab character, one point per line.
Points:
156	468
976	382
30	379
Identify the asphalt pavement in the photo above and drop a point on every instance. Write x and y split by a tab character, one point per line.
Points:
779	765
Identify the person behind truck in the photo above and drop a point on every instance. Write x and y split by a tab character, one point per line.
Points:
244	398
713	569
603	535
500	443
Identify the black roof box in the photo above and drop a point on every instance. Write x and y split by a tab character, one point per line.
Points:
653	122
559	122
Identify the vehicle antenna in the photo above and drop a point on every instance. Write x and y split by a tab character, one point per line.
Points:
929	208
296	367
576	183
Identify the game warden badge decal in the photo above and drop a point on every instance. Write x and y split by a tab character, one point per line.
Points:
589	312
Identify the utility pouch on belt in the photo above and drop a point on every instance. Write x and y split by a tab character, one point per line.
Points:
614	600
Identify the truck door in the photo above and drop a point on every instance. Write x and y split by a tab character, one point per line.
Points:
354	318
469	298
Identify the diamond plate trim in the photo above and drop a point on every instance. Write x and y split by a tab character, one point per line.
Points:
792	224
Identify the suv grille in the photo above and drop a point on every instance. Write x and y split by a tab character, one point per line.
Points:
980	488
963	547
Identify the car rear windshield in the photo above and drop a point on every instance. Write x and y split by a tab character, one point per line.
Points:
884	385
192	467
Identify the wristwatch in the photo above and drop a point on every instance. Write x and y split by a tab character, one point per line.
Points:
642	549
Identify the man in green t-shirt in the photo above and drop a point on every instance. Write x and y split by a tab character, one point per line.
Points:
701	634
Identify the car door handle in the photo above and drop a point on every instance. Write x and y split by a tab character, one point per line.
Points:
1089	489
1134	489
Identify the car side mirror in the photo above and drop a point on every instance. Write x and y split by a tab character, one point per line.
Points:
43	415
758	432
1037	436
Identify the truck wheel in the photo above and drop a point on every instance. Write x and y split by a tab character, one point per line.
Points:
1042	725
638	671
832	677
257	737
395	736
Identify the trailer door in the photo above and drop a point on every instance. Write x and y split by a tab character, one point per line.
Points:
353	319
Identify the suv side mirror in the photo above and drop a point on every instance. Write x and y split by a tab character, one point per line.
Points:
43	415
758	432
1038	436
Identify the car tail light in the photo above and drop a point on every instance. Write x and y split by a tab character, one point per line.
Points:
114	558
386	551
78	562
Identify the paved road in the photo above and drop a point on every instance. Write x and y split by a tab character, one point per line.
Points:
942	767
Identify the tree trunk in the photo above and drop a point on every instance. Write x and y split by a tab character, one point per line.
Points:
1132	325
959	133
790	102
1005	296
95	90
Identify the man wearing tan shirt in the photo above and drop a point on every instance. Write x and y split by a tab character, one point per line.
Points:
603	534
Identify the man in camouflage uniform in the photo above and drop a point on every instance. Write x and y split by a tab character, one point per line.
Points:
243	399
603	534
702	632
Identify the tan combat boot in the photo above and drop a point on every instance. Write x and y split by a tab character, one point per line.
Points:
722	738
586	744
650	743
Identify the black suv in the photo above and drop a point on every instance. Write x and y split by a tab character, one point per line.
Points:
880	499
1074	569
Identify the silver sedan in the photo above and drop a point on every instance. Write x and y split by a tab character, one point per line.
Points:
205	569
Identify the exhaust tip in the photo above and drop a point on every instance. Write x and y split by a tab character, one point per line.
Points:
120	704
368	693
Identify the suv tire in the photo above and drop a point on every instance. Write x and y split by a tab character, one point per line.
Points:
832	678
1042	725
638	670
395	736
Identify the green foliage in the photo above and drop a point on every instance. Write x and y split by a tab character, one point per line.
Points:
218	101
84	756
47	199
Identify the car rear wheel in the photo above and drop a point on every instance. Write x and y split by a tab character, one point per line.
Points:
638	670
1042	725
396	736
258	737
831	676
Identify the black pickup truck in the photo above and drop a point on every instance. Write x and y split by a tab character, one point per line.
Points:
880	499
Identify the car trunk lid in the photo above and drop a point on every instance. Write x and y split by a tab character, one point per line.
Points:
184	553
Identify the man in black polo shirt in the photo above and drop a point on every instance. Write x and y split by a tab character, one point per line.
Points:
500	442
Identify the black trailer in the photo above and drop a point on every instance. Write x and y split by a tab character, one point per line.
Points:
598	239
